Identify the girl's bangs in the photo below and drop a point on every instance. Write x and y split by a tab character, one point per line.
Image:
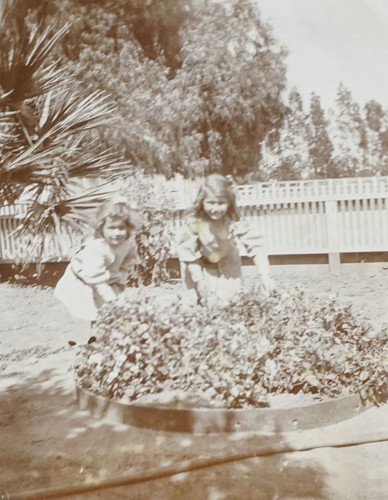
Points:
215	192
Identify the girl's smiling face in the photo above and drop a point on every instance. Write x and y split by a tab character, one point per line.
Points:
114	231
215	207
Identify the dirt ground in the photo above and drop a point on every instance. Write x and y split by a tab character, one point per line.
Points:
47	442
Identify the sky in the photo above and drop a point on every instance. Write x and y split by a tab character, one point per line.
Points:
333	41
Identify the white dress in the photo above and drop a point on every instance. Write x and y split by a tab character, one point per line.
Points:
95	275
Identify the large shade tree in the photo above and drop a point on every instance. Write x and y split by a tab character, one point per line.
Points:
197	83
187	86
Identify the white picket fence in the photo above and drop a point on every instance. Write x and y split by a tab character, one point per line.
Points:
15	248
331	217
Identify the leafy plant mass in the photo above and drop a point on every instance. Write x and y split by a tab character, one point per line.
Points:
234	356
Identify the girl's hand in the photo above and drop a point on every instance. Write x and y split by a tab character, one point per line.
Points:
106	292
262	266
201	292
120	278
196	272
269	285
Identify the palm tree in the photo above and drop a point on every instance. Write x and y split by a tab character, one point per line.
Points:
46	143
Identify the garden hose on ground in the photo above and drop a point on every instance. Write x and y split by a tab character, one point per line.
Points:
193	465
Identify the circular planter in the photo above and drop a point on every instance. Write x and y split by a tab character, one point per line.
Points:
212	420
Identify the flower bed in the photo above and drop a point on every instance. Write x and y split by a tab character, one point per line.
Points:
237	356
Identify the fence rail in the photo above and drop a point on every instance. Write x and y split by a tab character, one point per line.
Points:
331	217
291	191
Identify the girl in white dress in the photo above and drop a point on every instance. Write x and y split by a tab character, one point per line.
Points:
208	249
98	272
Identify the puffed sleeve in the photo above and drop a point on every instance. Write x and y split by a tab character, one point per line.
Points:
251	239
91	265
188	247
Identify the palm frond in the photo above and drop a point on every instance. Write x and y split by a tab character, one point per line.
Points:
104	165
70	114
75	211
23	74
34	163
41	43
5	97
38	171
35	170
6	122
51	157
44	143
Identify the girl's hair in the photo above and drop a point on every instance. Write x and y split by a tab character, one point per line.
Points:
220	186
116	209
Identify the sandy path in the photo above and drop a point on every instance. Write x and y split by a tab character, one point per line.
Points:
46	441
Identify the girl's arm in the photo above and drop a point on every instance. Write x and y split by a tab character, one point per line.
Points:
106	292
188	247
188	251
195	270
262	265
92	268
253	242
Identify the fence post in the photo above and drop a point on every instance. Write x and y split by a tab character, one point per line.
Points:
333	236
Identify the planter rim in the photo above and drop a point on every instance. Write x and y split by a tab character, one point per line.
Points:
218	420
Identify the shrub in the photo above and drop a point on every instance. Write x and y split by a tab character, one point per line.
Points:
154	204
234	356
153	245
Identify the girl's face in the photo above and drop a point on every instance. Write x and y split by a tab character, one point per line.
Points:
114	231
215	207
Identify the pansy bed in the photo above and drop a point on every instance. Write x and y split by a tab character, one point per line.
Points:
168	354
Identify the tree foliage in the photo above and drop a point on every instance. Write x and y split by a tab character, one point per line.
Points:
320	147
345	140
347	134
197	84
286	152
194	86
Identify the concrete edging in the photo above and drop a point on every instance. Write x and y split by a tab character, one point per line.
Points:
215	420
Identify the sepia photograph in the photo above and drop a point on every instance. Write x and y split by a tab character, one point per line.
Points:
193	249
